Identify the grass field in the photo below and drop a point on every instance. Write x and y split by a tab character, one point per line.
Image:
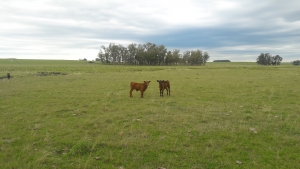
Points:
222	115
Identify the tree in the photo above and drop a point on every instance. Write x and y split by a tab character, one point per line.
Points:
175	54
162	51
268	59
276	60
186	56
140	56
132	52
261	59
296	62
196	57
113	51
168	58
123	54
103	55
149	54
205	58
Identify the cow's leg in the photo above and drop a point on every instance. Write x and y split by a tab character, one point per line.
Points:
142	94
131	93
169	91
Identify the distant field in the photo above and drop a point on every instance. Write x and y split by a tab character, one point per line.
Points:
222	115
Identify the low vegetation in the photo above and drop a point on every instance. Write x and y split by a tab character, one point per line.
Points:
222	115
221	61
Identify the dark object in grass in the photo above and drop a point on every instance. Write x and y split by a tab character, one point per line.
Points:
8	76
50	73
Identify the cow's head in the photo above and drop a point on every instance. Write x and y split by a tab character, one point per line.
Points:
147	82
160	82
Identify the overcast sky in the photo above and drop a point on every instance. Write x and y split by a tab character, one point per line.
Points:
75	29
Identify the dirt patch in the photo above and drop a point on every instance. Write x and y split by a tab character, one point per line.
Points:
49	73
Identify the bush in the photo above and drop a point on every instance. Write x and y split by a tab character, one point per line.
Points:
268	59
296	62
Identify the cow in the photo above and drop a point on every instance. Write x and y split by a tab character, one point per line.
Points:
162	85
8	76
139	86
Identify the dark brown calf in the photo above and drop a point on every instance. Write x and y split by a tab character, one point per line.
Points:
139	86
162	85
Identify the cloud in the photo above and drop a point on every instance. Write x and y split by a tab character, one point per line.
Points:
76	29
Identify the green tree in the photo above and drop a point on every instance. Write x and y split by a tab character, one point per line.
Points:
149	54
132	52
205	58
268	59
196	57
296	62
113	51
162	51
123	54
276	60
175	57
263	59
168	58
140	55
186	57
104	55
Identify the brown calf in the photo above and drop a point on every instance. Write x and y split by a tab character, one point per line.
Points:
139	86
162	85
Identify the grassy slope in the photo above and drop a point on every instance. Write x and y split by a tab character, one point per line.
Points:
216	115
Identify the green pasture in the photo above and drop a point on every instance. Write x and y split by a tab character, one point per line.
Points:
222	115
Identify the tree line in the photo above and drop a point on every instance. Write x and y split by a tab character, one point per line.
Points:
149	54
221	61
268	59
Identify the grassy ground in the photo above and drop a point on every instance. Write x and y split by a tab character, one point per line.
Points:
216	117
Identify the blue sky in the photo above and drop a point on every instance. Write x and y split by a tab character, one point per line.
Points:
71	30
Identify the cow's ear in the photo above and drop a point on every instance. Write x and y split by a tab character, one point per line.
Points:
157	80
149	81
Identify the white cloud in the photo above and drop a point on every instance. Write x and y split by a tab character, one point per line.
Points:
75	29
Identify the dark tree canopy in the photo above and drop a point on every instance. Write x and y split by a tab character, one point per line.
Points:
149	54
268	59
296	62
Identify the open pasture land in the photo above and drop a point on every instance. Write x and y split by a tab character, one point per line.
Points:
222	115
